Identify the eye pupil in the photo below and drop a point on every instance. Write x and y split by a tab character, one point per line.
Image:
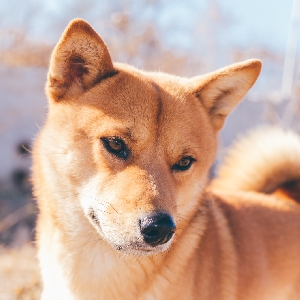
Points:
117	145
184	162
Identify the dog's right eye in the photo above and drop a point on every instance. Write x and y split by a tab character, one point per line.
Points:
116	146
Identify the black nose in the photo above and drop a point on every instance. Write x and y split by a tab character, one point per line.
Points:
157	229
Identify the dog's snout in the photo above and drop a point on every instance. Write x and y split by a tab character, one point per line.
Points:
157	229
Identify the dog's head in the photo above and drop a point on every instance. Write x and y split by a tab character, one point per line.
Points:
136	147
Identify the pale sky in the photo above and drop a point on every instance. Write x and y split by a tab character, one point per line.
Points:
262	22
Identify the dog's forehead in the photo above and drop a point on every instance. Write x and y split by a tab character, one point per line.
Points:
127	100
144	105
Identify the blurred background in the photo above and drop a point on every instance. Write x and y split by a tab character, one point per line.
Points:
185	38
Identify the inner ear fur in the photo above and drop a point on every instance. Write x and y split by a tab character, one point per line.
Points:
79	60
220	91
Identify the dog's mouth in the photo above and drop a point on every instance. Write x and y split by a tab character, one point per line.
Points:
93	219
141	249
155	235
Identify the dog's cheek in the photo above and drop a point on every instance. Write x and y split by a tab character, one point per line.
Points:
89	196
188	194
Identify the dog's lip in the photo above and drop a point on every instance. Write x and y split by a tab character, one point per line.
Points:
139	247
136	250
134	246
128	247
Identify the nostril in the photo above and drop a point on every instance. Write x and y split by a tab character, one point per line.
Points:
157	229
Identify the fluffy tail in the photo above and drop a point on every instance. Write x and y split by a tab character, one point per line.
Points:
267	161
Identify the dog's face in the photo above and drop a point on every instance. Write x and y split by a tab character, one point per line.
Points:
137	145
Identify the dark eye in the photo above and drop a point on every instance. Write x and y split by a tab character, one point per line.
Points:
116	146
184	163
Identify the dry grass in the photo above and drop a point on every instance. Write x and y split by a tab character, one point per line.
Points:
19	274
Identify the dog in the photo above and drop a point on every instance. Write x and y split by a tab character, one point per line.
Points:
120	174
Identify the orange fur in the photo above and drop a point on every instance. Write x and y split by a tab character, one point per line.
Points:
227	245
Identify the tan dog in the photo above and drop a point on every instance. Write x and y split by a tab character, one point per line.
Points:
120	169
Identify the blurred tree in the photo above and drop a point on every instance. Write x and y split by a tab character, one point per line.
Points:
129	28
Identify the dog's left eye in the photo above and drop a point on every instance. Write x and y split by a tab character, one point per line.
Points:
184	163
116	146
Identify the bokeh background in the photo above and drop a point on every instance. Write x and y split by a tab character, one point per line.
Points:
185	38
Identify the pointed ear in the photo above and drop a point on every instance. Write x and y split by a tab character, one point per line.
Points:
79	61
220	91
